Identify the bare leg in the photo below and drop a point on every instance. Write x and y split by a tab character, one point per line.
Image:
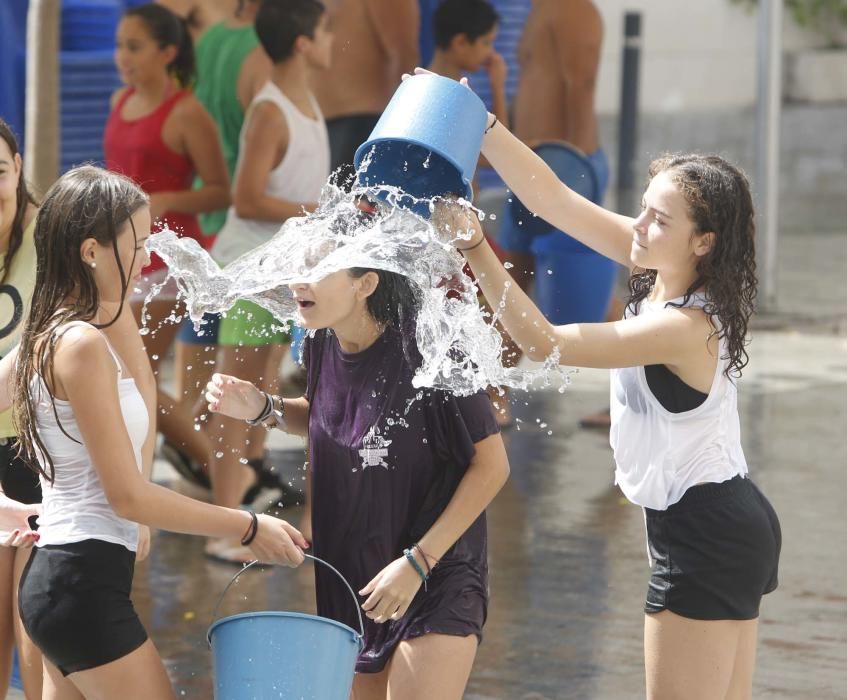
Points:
371	686
29	655
57	686
140	675
432	666
698	659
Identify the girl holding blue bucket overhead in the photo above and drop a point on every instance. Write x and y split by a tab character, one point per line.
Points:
399	481
713	538
82	423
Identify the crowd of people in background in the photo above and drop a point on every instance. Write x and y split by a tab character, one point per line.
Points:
231	118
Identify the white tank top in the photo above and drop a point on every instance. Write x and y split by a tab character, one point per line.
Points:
299	177
659	454
74	506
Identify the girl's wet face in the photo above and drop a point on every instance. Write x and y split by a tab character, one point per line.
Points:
138	56
332	301
664	236
10	175
133	256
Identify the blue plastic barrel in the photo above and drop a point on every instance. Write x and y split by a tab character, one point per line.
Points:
573	283
266	655
426	142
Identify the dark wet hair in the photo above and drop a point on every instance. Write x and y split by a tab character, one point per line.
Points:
169	29
719	201
396	299
473	18
23	199
86	202
280	22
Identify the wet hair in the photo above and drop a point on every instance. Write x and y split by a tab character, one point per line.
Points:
719	201
23	199
86	202
169	29
279	23
473	18
395	301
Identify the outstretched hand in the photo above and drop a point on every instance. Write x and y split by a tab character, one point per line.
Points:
234	397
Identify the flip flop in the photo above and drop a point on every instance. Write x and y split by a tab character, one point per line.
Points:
187	468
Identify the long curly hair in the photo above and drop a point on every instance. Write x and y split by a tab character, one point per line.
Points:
86	202
719	201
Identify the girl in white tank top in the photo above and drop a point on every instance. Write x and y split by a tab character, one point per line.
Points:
674	358
82	409
297	178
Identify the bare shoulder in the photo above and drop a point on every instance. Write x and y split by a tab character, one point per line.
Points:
579	19
117	95
82	349
189	107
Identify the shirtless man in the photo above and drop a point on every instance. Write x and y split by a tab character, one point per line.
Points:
559	56
376	41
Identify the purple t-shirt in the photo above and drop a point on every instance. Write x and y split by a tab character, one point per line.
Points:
385	460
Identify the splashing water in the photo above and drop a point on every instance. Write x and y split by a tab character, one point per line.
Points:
460	347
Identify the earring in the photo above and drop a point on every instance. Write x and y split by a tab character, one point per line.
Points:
93	264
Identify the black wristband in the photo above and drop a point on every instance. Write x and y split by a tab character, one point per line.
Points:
250	535
491	126
475	245
266	411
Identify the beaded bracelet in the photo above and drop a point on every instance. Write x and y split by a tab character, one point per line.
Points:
410	557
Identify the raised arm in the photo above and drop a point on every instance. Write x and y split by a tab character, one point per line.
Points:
668	338
86	374
538	187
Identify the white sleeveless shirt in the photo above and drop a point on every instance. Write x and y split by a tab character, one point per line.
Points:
660	454
299	177
74	506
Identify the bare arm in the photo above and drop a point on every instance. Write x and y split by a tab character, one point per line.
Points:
265	144
196	136
668	338
7	375
392	590
254	73
538	187
397	23
236	398
86	374
485	476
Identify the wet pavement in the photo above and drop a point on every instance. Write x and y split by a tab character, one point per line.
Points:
567	552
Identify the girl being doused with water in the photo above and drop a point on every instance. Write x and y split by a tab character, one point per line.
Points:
399	482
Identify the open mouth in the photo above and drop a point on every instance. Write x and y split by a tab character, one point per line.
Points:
304	304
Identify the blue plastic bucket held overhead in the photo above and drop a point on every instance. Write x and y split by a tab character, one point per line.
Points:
426	142
266	655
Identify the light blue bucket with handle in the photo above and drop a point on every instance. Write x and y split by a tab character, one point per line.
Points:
426	142
267	655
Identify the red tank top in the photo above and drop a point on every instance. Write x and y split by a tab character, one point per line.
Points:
136	149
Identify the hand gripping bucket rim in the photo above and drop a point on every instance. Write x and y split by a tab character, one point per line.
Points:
252	652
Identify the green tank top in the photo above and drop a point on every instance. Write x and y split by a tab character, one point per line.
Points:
220	53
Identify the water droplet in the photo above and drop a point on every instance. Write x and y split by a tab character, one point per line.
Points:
508	265
154	357
219	454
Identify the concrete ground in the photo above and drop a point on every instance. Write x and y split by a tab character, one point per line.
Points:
567	552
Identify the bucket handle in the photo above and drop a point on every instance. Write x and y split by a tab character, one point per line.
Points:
307	556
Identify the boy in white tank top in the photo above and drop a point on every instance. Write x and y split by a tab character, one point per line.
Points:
283	164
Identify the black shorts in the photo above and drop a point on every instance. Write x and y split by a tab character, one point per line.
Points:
715	552
19	482
346	134
74	603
